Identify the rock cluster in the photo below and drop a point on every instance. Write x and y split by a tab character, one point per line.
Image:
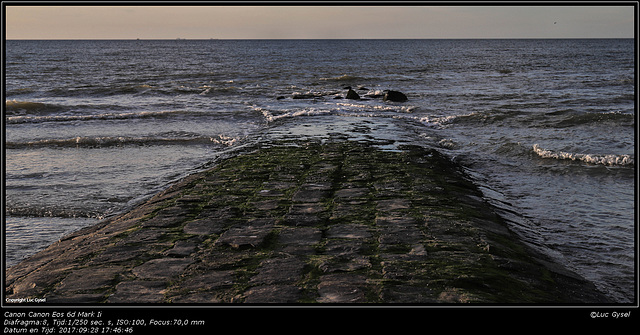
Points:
387	95
394	96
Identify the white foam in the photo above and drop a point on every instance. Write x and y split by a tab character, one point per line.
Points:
101	116
88	141
271	117
609	160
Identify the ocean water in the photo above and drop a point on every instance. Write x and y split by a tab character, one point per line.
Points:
545	127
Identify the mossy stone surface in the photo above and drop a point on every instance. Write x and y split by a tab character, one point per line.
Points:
305	223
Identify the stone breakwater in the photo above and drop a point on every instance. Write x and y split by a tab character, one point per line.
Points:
304	223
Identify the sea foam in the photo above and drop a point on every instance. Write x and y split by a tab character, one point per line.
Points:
609	160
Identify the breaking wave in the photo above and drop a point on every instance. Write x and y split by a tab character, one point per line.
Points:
271	117
566	119
608	160
15	107
53	211
344	77
101	116
106	141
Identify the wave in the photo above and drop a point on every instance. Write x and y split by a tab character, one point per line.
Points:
271	117
20	91
101	116
608	160
15	107
159	90
345	109
338	107
52	211
558	119
378	107
588	118
127	89
440	122
107	141
444	121
344	77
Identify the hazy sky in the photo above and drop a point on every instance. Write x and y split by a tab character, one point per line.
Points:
241	22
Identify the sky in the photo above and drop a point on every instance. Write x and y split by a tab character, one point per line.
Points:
303	21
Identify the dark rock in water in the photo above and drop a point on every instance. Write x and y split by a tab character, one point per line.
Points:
351	94
280	97
395	96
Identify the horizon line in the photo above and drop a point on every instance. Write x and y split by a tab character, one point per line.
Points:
315	38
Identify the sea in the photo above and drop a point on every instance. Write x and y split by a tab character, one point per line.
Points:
545	127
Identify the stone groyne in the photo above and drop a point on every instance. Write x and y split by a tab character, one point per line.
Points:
304	223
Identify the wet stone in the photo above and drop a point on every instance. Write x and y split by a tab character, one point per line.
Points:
297	249
245	236
392	189
303	220
167	217
351	193
342	288
138	291
76	299
309	195
191	199
197	298
143	236
349	231
306	208
205	226
162	268
90	278
396	221
34	283
271	193
278	270
120	253
393	204
222	258
182	248
305	214
407	271
298	240
209	280
266	205
300	236
275	188
338	264
218	211
279	185
272	294
407	294
400	235
343	248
